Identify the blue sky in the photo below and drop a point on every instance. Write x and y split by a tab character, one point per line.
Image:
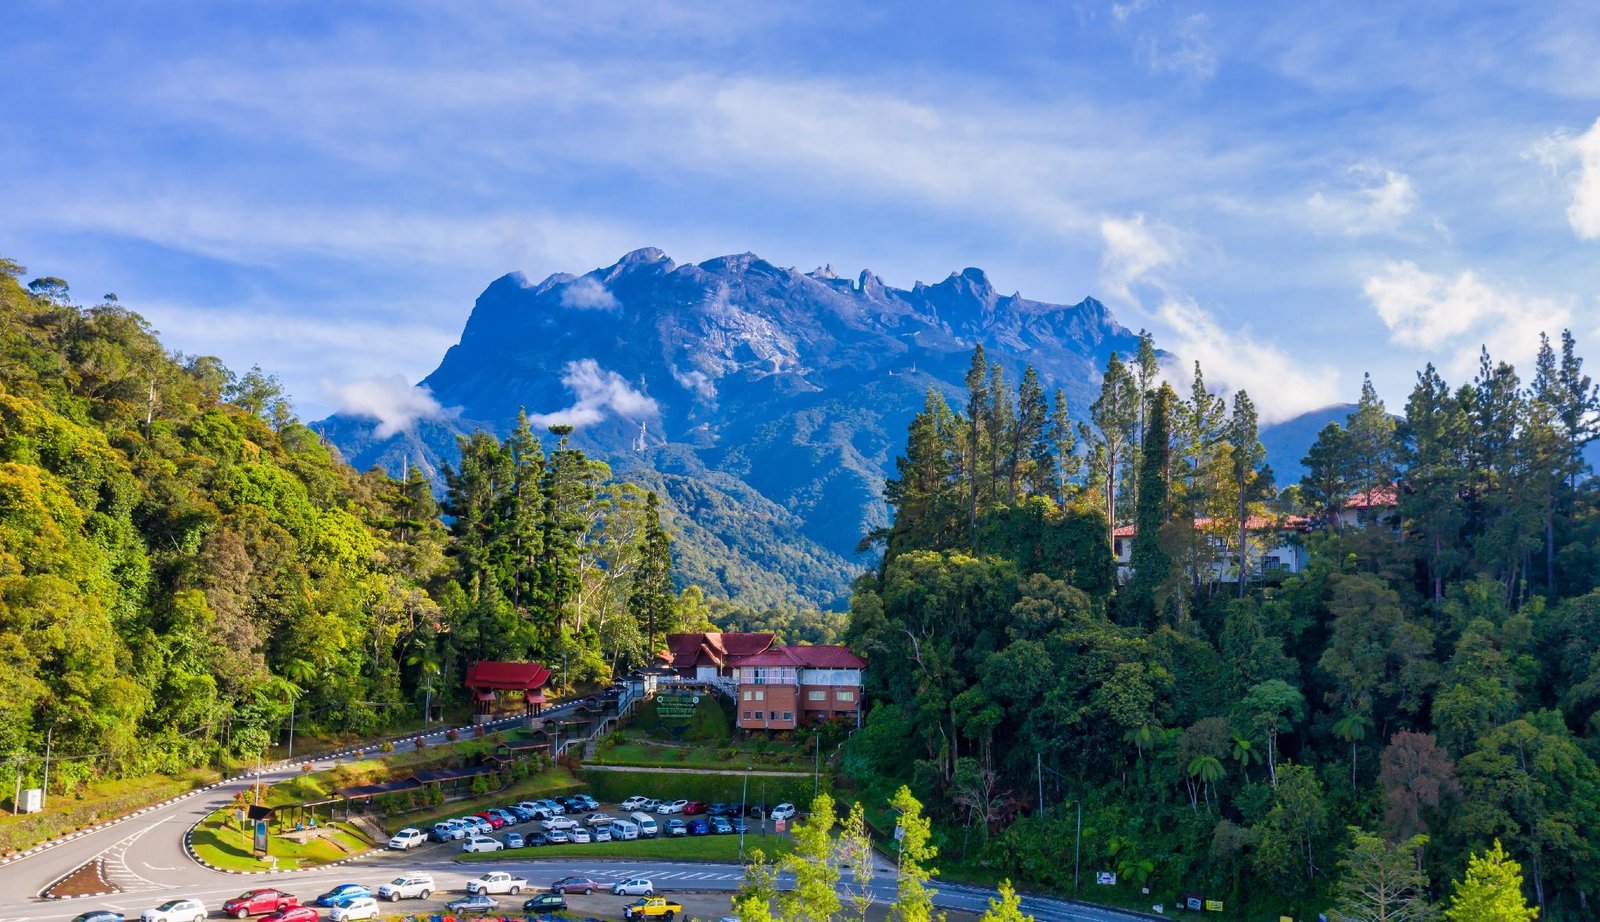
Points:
1292	196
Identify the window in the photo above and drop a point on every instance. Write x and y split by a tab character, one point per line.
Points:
788	715
758	716
761	694
847	696
746	715
816	695
747	694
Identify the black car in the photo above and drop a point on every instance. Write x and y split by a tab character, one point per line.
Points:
523	814
535	840
98	915
721	809
546	902
738	824
756	810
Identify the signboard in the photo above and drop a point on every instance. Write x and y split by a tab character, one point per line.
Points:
261	837
676	705
1191	902
1106	878
778	825
1213	905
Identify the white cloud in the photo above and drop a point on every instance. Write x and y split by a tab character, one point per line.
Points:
1460	313
588	294
1584	212
1280	385
1135	250
392	401
1373	200
1187	51
1122	11
596	392
697	382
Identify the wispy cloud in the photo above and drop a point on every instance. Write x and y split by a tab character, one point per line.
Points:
588	294
1373	199
1576	161
392	401
1134	250
597	393
1457	314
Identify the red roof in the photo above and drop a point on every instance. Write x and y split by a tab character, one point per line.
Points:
1377	497
520	676
713	648
1254	523
822	656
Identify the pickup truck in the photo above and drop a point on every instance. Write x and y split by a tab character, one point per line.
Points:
652	907
497	882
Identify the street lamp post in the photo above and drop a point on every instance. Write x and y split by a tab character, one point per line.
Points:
44	793
744	796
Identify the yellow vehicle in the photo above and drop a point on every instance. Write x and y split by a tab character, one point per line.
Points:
652	907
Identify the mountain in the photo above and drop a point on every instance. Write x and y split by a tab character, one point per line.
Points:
1287	442
767	405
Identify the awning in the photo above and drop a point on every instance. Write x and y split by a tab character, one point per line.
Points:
533	697
483	694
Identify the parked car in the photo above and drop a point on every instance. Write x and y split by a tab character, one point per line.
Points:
444	831
341	894
535	840
650	804
557	837
176	911
293	914
409	837
722	809
259	902
602	833
634	803
739	825
585	802
598	819
364	907
652	907
580	836
559	822
523	814
478	902
783	812
676	827
545	902
699	827
755	810
547	803
694	807
493	819
504	814
671	806
481	844
720	825
497	882
476	825
98	915
581	885
633	886
408	887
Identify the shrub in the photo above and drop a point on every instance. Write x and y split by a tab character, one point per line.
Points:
387	747
480	785
452	734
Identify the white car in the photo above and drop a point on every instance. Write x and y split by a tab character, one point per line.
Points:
782	812
544	803
598	819
634	803
482	844
559	822
176	911
362	907
601	833
407	838
634	886
580	836
497	882
409	887
671	806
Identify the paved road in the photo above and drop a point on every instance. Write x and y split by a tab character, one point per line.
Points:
144	857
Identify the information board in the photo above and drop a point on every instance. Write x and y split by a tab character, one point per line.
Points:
676	705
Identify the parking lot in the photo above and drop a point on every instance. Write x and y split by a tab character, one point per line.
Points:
579	819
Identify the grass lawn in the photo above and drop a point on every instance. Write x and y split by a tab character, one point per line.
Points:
553	780
219	840
724	848
99	801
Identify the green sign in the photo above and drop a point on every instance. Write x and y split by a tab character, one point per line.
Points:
676	705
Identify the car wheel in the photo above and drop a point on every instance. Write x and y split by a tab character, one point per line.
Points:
667	915
515	890
649	893
200	918
394	897
426	894
588	890
240	913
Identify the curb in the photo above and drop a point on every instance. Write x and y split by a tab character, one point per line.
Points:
275	766
78	896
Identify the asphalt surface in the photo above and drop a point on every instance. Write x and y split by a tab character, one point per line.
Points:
145	858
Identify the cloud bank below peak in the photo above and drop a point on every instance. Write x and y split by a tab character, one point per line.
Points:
597	393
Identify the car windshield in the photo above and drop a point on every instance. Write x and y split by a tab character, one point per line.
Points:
170	905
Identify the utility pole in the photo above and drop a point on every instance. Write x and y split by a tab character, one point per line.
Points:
44	793
816	765
290	754
744	796
1038	765
1077	849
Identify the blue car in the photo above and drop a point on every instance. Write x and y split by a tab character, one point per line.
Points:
105	915
513	840
341	895
699	828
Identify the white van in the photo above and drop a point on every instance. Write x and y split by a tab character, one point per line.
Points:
624	830
647	825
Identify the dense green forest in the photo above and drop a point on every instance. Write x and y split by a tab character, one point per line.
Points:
182	561
1425	687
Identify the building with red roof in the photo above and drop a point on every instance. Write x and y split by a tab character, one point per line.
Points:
486	679
1277	552
776	686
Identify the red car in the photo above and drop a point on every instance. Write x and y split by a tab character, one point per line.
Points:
495	821
294	914
259	902
695	806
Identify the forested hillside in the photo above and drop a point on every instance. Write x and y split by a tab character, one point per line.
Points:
1344	738
182	561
